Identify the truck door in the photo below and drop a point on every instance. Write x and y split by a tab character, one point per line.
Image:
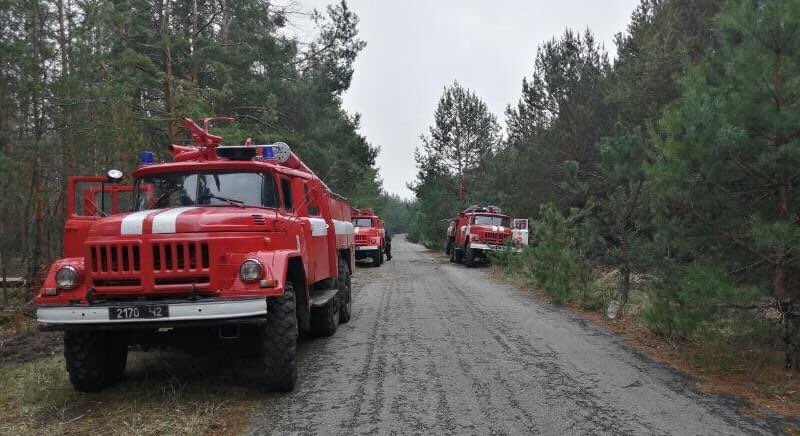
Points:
90	198
319	233
519	232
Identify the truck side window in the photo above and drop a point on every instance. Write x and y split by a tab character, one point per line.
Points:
286	188
269	195
313	210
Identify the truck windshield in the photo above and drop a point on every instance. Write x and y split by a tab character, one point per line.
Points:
205	189
362	222
489	220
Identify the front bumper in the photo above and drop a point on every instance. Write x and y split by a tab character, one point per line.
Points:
489	247
365	251
53	317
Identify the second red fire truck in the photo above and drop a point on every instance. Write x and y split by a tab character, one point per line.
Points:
479	230
224	242
370	236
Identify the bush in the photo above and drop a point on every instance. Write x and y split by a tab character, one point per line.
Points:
508	261
555	260
697	302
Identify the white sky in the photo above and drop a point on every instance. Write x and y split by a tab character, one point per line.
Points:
415	48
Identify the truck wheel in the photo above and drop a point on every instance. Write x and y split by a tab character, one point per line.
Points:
278	339
325	319
458	255
345	293
95	359
451	251
376	258
469	257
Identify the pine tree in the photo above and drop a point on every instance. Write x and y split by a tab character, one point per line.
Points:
559	119
464	134
663	40
726	177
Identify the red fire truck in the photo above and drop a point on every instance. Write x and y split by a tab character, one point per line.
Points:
370	235
478	230
224	242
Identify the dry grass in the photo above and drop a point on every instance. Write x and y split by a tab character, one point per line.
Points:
164	393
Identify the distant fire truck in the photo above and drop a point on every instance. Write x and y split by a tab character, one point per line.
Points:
224	242
370	236
478	230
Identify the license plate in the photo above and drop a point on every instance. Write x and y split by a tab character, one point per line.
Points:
139	312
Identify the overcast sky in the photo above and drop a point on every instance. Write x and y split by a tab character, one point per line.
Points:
415	48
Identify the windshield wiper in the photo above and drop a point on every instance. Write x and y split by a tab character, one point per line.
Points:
231	201
166	194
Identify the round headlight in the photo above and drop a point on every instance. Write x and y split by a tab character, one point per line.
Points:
67	277
250	270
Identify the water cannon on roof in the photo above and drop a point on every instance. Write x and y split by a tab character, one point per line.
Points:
208	146
205	143
366	211
476	208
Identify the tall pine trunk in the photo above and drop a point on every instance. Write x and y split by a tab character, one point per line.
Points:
169	99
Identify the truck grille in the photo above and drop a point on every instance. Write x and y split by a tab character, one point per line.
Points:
115	258
159	266
362	239
180	256
495	238
168	256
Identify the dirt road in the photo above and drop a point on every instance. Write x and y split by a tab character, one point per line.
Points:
437	348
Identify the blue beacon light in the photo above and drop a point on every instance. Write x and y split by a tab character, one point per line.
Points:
146	158
268	153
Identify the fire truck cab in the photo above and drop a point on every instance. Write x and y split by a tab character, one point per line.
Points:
224	242
477	231
370	236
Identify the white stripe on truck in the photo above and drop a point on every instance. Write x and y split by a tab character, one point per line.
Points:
344	227
318	227
165	221
133	223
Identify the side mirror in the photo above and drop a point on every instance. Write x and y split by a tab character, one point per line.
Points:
114	176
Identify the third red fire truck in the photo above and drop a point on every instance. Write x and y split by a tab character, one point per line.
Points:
479	230
224	242
370	235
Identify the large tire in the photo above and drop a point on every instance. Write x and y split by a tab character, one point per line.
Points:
325	319
278	339
377	258
95	359
451	250
469	257
345	293
458	256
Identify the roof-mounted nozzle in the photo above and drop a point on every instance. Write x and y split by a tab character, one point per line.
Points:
366	211
207	146
278	151
486	209
205	143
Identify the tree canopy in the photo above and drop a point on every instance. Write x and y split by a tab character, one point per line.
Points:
86	85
